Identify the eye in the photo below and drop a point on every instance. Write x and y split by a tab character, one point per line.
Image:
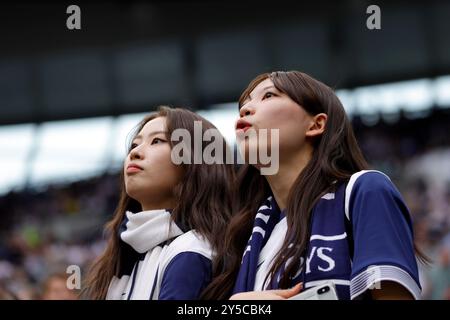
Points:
268	95
133	145
157	140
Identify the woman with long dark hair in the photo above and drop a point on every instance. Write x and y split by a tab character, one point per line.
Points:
323	216
170	219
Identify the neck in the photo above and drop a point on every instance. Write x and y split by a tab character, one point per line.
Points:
157	205
289	169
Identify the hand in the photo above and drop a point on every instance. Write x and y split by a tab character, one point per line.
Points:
281	294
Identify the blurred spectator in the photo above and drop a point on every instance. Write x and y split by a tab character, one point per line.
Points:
55	288
6	295
439	276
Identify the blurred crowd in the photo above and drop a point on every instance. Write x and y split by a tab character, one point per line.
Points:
44	231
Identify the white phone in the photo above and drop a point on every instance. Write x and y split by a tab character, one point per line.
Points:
325	291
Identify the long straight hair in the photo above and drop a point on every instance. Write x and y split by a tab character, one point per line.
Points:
336	156
204	202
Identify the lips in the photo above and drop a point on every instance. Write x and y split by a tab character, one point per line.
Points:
242	125
133	168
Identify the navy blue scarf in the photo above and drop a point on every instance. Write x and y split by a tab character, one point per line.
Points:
267	217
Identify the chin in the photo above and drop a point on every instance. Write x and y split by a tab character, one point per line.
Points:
132	190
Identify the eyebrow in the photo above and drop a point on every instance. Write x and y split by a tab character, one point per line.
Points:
139	136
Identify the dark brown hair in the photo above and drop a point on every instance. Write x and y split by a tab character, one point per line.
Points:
336	156
205	199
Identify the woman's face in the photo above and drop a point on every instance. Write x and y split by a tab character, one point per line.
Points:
268	108
150	175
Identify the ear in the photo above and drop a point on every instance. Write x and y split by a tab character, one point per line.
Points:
317	126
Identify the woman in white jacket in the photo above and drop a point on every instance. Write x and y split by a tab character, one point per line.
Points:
170	218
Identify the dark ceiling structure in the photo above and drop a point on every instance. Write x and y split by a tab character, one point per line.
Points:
130	57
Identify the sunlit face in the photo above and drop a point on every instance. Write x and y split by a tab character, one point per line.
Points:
268	108
150	175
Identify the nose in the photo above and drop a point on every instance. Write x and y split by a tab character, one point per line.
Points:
246	110
136	154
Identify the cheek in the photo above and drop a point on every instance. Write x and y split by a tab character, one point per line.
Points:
278	114
290	119
162	172
168	174
292	135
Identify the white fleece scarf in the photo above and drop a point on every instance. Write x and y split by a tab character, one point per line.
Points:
147	229
147	232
